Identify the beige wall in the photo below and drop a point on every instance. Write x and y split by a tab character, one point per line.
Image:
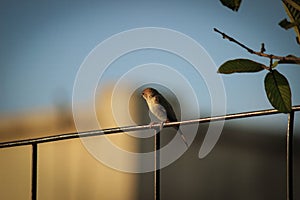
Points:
66	170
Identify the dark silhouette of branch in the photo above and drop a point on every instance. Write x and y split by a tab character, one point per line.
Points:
283	59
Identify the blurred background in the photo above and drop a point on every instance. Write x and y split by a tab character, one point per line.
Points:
43	45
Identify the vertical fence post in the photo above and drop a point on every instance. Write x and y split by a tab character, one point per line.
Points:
289	156
157	165
34	172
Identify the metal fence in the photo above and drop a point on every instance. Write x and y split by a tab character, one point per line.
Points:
289	144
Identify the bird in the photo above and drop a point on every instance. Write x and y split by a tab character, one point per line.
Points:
161	109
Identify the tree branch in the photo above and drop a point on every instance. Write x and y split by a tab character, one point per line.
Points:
283	59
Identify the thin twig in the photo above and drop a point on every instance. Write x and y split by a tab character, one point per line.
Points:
261	53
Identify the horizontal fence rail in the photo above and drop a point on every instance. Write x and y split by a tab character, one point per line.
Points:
140	127
35	141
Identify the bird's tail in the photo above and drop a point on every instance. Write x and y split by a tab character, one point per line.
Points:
183	138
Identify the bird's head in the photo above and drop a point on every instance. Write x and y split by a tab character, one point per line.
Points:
149	93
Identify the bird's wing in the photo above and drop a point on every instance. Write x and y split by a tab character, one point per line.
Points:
171	116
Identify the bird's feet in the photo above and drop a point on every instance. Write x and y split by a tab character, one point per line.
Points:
151	125
161	125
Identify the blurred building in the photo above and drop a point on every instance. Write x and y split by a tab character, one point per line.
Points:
66	170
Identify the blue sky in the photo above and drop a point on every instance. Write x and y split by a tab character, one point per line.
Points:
43	43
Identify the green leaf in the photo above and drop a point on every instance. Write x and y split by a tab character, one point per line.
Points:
275	64
232	4
240	66
287	25
278	91
290	61
292	8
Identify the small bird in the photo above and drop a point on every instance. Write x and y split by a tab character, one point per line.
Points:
161	108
